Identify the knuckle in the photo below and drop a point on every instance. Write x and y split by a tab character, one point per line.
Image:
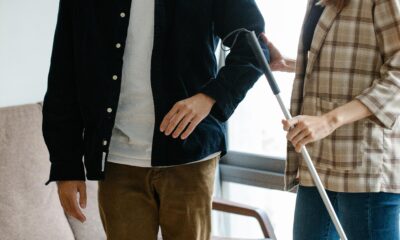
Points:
185	107
180	104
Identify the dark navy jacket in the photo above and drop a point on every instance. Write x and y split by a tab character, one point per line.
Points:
85	78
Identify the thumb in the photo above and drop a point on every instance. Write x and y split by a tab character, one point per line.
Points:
292	122
82	195
286	125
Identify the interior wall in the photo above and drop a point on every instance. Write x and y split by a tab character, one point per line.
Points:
26	36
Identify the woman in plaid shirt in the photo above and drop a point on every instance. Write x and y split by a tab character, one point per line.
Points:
346	99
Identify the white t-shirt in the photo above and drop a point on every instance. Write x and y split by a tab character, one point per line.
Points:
134	124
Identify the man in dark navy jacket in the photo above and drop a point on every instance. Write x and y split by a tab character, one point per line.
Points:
154	61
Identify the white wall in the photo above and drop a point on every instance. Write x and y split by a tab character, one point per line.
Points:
26	36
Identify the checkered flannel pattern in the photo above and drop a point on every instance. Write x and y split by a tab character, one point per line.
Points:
355	54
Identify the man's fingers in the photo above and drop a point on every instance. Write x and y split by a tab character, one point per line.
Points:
62	202
68	194
193	124
82	195
174	121
167	118
74	210
182	126
67	206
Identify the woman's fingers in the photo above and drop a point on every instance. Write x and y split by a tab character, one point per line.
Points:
286	125
303	142
299	137
296	126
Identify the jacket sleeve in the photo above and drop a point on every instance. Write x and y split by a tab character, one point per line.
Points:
383	97
62	122
241	69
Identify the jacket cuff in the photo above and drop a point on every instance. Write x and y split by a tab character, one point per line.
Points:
387	119
223	107
66	172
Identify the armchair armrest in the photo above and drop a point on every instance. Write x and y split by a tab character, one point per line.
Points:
244	210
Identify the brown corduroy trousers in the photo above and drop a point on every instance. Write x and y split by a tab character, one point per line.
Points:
135	202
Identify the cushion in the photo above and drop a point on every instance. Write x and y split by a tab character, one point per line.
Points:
28	208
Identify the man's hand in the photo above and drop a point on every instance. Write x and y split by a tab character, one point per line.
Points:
278	61
185	115
305	129
67	192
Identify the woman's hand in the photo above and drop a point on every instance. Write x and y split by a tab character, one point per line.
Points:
305	129
278	61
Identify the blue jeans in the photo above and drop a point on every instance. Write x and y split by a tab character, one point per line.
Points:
364	216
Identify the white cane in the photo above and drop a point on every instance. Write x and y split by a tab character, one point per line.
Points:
255	45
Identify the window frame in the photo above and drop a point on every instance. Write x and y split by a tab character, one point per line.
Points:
253	169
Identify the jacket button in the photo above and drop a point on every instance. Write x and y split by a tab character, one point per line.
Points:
118	45
122	15
115	77
105	143
109	110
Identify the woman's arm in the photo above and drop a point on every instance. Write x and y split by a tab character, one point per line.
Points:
383	97
305	129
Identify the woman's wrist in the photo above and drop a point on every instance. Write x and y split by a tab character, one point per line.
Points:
348	113
334	119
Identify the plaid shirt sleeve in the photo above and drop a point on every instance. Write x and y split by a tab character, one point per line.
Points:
383	97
